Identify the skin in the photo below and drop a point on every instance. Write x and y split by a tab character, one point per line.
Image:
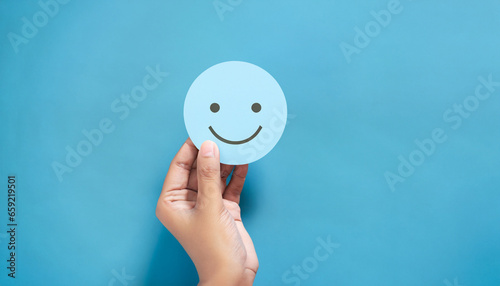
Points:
201	209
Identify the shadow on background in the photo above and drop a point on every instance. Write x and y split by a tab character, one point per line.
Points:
170	264
248	199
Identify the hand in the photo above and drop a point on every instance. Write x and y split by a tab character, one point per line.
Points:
203	214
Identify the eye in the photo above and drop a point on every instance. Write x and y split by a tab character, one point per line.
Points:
256	107
214	107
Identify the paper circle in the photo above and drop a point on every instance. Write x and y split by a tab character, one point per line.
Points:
240	107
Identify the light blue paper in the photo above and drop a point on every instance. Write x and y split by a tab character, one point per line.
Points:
240	107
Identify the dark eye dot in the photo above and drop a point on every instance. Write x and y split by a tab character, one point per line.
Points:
256	107
214	107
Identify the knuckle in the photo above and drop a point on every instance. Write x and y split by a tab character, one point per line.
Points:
183	165
163	205
239	186
224	174
232	206
158	211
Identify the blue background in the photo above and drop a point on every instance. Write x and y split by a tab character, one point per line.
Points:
348	124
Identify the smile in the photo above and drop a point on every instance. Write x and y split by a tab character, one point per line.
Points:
234	142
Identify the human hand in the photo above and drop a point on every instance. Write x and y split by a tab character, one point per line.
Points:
202	211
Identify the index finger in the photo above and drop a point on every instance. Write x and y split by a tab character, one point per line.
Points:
180	168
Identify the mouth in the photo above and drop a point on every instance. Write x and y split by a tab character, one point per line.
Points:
234	142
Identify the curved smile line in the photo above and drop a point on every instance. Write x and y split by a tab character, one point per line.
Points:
234	142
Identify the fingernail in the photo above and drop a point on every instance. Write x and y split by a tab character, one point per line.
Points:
208	149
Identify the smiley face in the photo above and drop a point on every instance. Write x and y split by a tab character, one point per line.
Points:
240	107
214	107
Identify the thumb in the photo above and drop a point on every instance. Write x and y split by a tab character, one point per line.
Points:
208	172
